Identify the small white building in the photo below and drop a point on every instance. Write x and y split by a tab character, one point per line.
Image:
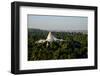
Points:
50	38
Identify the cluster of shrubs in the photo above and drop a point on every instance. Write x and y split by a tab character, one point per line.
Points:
74	47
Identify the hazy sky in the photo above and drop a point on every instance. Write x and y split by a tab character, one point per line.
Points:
57	22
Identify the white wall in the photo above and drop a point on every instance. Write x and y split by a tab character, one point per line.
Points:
5	41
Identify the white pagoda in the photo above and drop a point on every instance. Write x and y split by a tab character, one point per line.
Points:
50	38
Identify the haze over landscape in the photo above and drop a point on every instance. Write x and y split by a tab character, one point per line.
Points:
58	23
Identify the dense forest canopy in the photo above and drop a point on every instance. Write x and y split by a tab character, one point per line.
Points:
75	46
